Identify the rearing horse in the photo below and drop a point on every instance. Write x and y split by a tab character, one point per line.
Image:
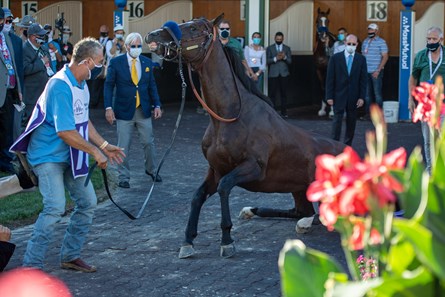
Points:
322	51
247	143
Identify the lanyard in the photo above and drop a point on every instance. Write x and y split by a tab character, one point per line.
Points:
431	63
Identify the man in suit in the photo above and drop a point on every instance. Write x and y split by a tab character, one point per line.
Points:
11	80
346	83
136	92
37	67
279	57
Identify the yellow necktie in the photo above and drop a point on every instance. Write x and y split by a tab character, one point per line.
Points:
134	78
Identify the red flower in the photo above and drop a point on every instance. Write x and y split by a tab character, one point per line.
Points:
357	241
425	111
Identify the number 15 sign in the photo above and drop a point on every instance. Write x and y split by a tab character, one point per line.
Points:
376	11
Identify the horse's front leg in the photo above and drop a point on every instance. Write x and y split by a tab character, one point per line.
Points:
245	172
207	188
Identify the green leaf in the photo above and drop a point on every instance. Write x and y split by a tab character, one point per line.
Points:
401	255
412	284
304	271
429	251
411	178
354	289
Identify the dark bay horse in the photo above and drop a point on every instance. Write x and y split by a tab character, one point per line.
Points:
247	143
322	51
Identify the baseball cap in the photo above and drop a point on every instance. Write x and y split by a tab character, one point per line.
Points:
373	26
36	29
47	27
7	12
118	27
26	21
66	29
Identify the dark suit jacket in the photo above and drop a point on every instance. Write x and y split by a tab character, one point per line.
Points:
14	45
35	73
119	76
346	89
6	251
280	67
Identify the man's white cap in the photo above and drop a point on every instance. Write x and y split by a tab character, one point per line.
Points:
118	27
373	26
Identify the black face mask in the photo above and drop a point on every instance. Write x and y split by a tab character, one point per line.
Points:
278	42
103	34
371	35
432	46
25	33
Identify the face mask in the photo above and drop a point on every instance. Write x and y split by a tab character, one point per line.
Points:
371	35
40	40
432	46
224	34
256	41
92	74
278	42
341	37
65	38
120	36
351	48
135	52
6	28
50	36
103	34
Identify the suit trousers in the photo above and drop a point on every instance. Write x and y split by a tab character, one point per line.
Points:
279	84
351	120
6	129
125	132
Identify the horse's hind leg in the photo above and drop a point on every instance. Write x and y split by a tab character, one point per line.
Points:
303	208
207	188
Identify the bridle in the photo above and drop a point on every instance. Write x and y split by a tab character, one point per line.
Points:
204	43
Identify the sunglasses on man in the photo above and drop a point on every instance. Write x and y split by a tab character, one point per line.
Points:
135	46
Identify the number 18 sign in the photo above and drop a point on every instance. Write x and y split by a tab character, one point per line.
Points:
376	11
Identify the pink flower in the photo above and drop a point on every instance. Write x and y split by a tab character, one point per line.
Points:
425	111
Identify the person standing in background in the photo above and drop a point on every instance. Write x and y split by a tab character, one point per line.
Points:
340	44
37	68
255	55
346	81
23	26
136	93
117	46
66	46
428	64
375	50
96	86
53	47
279	57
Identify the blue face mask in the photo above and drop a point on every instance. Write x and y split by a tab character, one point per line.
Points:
256	41
341	37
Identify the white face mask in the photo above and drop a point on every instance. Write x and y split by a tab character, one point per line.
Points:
351	48
65	38
120	36
50	36
7	28
135	52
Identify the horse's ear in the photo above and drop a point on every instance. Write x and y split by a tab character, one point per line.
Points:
218	19
327	12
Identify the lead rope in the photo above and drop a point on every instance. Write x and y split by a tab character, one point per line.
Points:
175	130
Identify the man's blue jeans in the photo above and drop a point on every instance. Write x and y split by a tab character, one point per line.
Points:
374	91
53	179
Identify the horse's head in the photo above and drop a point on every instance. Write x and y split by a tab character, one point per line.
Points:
322	23
190	40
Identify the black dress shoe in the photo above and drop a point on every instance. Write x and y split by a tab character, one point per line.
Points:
124	184
158	177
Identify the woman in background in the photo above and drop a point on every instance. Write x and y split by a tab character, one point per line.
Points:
256	58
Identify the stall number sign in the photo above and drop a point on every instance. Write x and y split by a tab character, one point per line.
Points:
377	11
136	9
29	7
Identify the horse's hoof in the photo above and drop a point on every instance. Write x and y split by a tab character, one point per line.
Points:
321	113
246	213
227	251
186	251
304	225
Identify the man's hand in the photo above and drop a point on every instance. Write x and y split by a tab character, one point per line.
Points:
375	74
360	102
100	159
157	113
109	115
114	153
330	102
411	105
5	233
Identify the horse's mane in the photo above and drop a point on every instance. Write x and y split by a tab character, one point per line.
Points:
240	72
